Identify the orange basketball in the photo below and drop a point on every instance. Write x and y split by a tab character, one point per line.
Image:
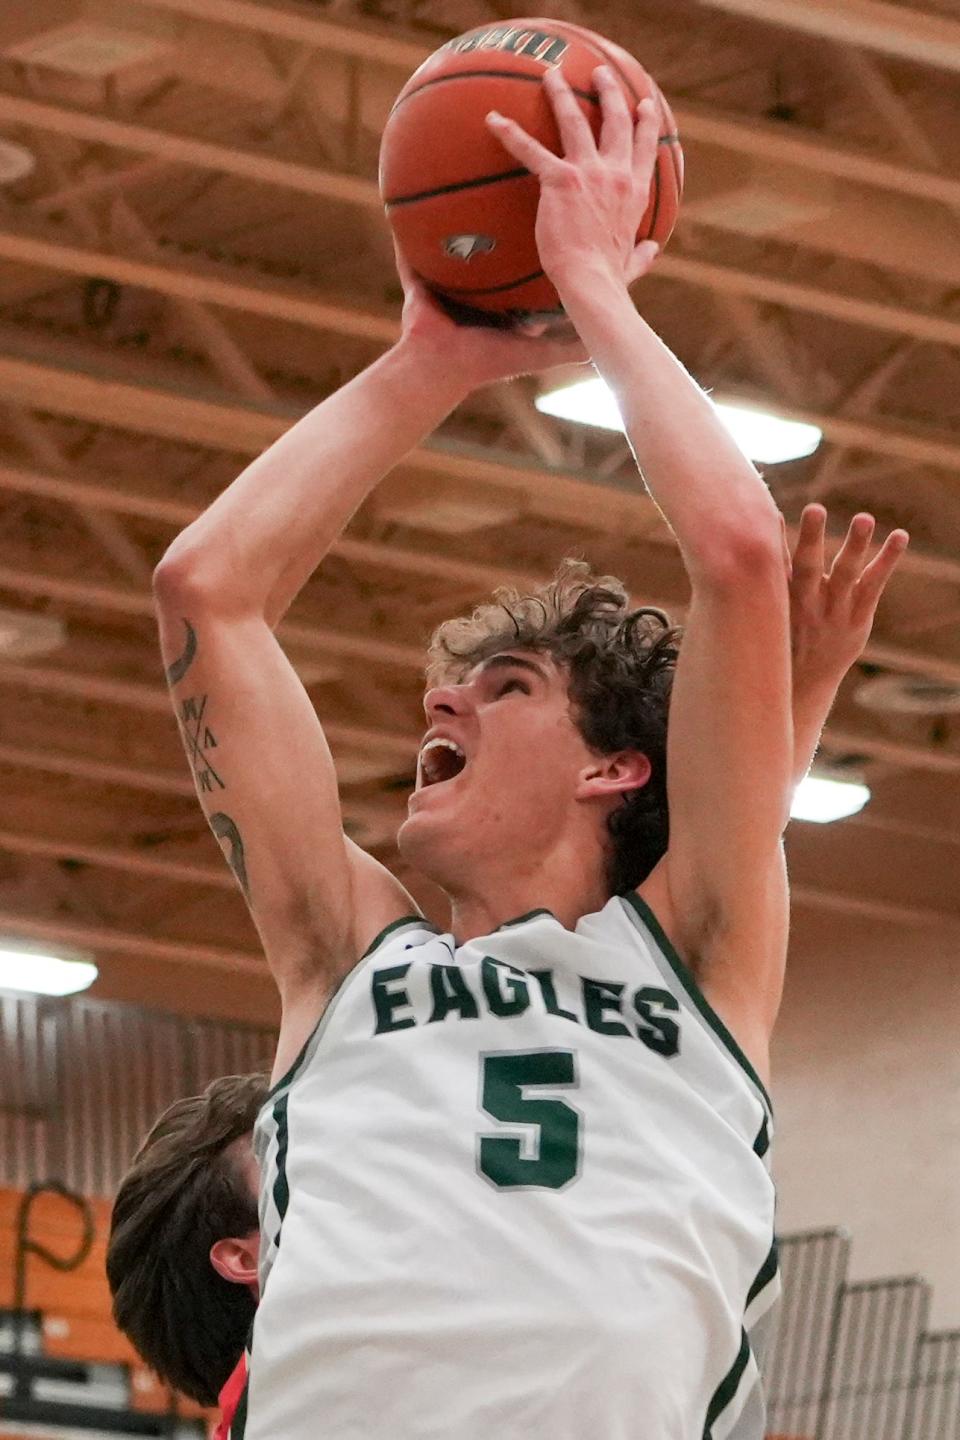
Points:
461	208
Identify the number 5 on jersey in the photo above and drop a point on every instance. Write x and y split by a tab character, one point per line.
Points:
547	1155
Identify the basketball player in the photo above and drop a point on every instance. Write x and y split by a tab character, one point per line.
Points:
193	1182
515	1176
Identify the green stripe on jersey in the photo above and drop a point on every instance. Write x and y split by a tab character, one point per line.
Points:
281	1185
689	983
727	1388
417	920
765	1274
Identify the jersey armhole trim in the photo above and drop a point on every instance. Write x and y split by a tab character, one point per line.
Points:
689	983
418	920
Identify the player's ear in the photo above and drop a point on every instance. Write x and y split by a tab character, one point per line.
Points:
611	776
236	1257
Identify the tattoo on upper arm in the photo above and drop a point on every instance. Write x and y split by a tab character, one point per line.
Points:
226	831
179	668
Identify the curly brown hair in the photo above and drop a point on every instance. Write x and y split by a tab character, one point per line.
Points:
182	1194
620	662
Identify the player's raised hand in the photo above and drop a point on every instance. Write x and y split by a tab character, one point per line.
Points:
593	196
478	355
832	608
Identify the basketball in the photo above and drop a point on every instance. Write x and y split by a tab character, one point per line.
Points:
462	210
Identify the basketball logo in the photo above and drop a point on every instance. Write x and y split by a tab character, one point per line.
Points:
464	247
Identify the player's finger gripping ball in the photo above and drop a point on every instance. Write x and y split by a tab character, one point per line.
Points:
462	209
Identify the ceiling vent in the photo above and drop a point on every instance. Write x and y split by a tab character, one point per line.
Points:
908	695
16	162
91	52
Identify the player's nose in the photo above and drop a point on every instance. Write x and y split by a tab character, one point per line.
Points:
445	700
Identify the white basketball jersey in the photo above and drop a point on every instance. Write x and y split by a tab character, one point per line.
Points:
515	1188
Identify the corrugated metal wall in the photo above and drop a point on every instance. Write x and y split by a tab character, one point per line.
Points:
82	1081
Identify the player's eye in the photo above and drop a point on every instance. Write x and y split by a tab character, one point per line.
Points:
513	684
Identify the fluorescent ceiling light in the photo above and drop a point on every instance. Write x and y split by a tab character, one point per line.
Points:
41	974
821	799
764	438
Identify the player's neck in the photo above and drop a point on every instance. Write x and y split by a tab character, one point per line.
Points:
566	889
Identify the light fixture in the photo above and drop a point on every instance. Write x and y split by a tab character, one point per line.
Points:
39	973
823	798
16	162
764	438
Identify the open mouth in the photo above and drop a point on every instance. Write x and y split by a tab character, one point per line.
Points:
440	760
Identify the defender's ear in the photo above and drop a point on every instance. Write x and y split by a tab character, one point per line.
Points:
612	776
236	1258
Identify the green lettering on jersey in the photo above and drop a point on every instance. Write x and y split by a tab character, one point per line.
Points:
450	993
544	979
548	1155
659	1033
505	994
385	1001
599	996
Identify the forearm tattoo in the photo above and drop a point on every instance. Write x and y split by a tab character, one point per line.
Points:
227	833
199	740
179	668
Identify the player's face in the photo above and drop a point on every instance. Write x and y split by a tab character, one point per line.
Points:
498	768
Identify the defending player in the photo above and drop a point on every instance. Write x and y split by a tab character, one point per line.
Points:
185	1241
516	1175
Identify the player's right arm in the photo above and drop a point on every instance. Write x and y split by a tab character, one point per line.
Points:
265	777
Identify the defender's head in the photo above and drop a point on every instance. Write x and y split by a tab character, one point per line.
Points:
184	1238
547	718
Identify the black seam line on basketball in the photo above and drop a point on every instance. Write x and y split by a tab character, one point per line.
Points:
656	199
458	185
492	289
590	95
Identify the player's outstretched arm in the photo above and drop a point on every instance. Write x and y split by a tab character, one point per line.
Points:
721	890
264	774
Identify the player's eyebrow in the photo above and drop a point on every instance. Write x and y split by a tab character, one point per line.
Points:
502	662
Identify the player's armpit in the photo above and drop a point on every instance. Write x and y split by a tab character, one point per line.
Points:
267	784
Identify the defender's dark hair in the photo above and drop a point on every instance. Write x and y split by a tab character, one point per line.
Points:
621	663
182	1194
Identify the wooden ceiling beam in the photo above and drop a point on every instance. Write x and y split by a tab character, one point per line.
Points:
898	30
144	698
109	857
215	283
194	873
151	699
328	642
105	938
772	141
99	394
97	772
